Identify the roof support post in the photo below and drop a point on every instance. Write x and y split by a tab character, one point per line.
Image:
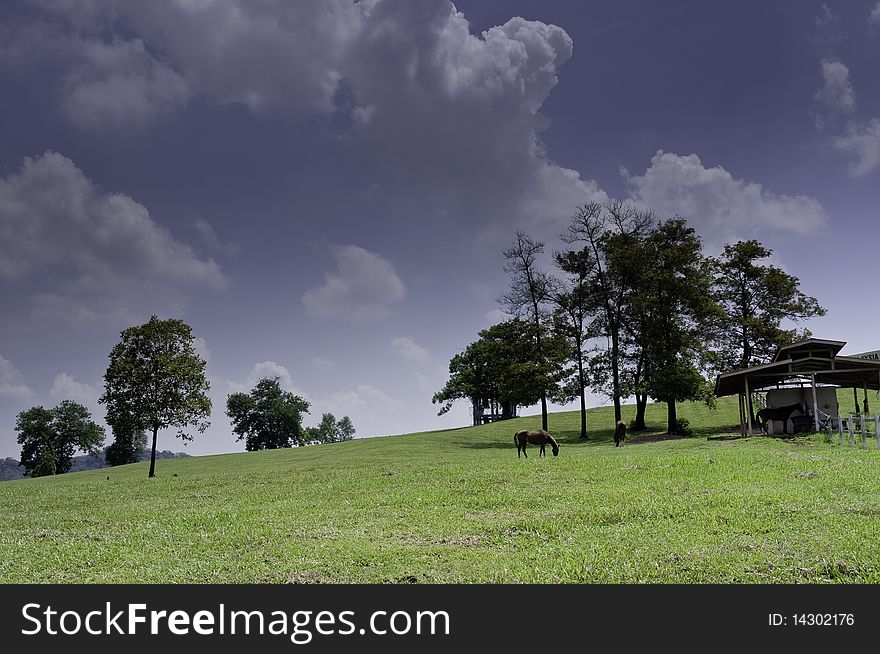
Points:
815	403
748	406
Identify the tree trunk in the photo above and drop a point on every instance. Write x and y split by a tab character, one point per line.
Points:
641	405
615	371
581	386
544	410
671	418
153	454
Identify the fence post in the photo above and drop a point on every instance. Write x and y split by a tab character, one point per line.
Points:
864	433
852	442
840	429
877	430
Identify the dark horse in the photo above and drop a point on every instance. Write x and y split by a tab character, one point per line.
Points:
781	413
619	432
540	437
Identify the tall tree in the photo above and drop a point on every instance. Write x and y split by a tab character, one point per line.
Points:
610	288
156	380
50	437
530	291
268	417
756	299
572	319
678	301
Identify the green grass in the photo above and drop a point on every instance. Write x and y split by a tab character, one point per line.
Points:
458	506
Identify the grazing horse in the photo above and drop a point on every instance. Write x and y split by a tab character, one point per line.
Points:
540	437
782	413
619	432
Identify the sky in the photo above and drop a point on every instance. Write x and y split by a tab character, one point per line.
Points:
323	189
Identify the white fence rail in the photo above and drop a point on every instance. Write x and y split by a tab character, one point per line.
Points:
849	426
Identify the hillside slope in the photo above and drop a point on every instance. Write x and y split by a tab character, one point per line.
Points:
458	506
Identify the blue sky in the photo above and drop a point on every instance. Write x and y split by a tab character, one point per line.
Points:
323	189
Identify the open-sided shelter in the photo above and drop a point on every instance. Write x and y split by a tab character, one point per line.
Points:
810	363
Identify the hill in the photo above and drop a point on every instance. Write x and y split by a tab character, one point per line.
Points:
458	506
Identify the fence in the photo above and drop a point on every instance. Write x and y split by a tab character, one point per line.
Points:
852	425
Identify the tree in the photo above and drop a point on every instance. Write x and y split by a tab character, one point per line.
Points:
572	318
129	442
50	437
608	288
331	430
680	308
268	417
156	380
756	299
530	290
497	371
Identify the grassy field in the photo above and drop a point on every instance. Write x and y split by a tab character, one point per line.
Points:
458	506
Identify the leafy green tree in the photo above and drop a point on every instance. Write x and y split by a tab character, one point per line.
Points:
156	380
680	309
597	229
756	299
331	430
268	417
129	443
50	437
502	370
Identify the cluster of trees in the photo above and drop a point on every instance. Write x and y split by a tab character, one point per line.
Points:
634	309
156	380
269	417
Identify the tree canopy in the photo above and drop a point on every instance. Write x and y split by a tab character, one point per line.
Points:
756	298
156	380
268	417
50	437
331	430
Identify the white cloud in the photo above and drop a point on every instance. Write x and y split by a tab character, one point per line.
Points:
371	409
825	16
211	241
715	202
94	254
407	348
12	385
837	91
268	370
119	84
409	75
863	143
363	286
65	387
201	348
874	17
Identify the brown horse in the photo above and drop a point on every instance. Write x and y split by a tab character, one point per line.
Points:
540	437
619	432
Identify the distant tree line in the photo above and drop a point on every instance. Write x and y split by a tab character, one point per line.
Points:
156	380
634	308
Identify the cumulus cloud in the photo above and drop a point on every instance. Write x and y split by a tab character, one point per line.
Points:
716	202
118	84
268	370
837	91
863	143
471	100
65	387
91	253
408	76
362	286
407	348
874	17
210	241
12	385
